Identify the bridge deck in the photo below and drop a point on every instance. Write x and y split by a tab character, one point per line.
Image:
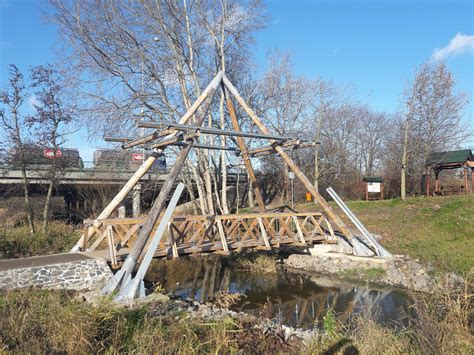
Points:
42	260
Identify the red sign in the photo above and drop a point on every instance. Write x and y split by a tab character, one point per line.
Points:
50	154
137	156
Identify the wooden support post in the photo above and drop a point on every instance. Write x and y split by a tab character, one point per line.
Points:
111	243
174	248
466	186
136	200
309	186
472	178
298	230
222	236
381	190
160	201
243	150
245	154
428	183
264	233
366	191
331	231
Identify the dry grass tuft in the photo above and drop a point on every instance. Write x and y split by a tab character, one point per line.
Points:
443	321
257	263
224	299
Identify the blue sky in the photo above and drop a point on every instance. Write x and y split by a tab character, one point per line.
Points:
373	44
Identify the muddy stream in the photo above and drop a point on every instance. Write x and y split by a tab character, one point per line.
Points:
294	299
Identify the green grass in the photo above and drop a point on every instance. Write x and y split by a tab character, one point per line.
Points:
17	242
371	274
439	230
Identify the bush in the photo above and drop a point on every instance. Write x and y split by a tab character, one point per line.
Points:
18	242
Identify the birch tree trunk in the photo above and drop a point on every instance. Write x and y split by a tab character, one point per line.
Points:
47	203
404	161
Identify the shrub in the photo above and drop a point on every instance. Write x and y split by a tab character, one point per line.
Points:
18	242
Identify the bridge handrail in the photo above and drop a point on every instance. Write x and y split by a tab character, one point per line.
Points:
139	220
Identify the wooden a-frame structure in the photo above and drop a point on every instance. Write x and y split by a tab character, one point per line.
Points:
185	135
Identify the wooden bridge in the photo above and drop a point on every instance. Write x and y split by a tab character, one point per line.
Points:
219	234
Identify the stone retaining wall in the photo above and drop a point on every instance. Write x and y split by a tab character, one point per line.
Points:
396	271
75	275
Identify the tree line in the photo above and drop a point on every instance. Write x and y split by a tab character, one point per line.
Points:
44	125
150	60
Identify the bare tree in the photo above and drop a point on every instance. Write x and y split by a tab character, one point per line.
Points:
433	118
371	135
54	112
154	57
15	124
284	97
326	96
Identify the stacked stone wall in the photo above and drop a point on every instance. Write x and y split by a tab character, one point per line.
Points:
75	275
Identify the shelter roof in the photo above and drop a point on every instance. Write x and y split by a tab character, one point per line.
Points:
449	157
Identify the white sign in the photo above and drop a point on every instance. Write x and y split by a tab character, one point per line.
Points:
291	175
373	186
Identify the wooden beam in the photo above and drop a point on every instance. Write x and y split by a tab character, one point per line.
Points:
264	233
181	138
291	164
160	201
263	151
141	220
111	243
208	130
243	150
298	230
209	91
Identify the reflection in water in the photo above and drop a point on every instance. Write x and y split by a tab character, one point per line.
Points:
288	298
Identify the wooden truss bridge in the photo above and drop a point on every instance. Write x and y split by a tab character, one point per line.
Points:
191	235
175	235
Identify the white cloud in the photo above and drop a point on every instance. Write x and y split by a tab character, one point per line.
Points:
32	101
459	44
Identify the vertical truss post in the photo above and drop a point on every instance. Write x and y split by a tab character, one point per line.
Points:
225	248
298	230
291	164
244	152
264	233
174	248
111	243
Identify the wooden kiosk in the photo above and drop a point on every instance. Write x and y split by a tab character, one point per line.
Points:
456	159
373	187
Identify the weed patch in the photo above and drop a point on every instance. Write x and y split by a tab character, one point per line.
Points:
256	262
17	242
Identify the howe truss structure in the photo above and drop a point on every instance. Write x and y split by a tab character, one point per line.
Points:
219	234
